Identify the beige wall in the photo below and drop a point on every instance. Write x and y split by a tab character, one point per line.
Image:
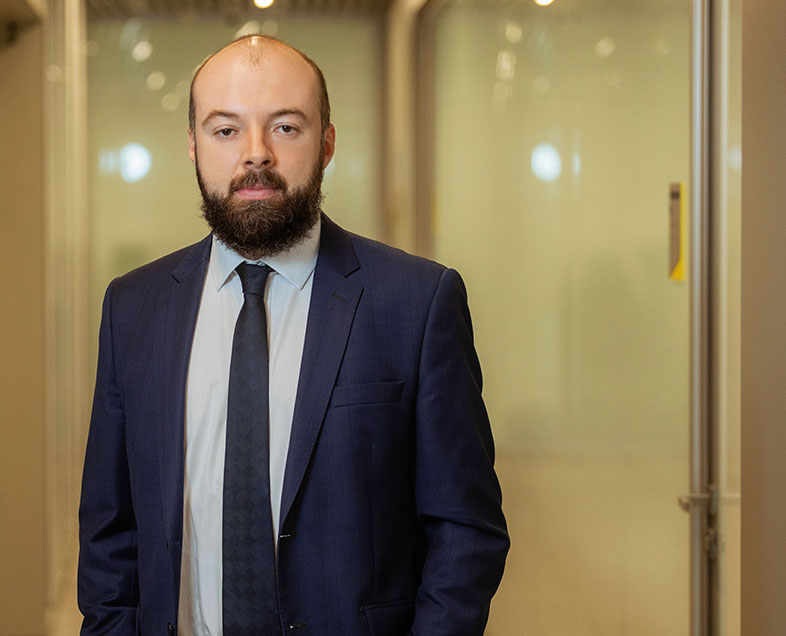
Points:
763	318
21	336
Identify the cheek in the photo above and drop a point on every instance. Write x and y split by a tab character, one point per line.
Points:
216	165
299	167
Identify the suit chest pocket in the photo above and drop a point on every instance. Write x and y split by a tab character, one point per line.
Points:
372	393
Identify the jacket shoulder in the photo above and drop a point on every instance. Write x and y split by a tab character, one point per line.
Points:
163	271
381	254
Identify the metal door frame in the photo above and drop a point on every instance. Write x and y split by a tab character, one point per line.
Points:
701	503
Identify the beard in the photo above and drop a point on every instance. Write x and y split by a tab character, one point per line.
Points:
259	228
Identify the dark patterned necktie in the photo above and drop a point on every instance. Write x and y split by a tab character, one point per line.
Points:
250	604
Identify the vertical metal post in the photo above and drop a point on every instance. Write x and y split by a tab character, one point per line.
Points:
700	332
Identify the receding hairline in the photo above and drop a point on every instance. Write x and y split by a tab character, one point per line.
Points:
255	55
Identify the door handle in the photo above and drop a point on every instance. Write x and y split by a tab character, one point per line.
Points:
709	499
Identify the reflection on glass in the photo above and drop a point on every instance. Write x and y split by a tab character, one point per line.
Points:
506	65
559	226
135	162
546	162
132	162
249	28
576	162
605	47
142	50
156	80
170	102
513	31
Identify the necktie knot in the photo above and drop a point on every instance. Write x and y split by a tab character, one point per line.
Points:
253	278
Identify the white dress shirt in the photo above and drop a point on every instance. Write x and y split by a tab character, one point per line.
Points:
287	299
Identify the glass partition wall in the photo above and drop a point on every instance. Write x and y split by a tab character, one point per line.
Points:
558	133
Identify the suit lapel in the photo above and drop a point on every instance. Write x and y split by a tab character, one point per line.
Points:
334	299
176	315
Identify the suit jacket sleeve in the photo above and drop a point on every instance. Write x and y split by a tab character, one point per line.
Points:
457	495
107	585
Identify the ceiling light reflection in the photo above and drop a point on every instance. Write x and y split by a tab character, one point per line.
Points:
543	3
142	50
134	162
156	80
269	27
170	102
576	164
513	32
249	28
546	163
263	4
506	65
605	47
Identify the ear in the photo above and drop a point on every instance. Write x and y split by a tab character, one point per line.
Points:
329	144
191	145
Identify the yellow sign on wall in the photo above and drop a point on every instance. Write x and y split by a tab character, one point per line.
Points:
677	226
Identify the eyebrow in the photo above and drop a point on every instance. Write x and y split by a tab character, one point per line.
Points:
214	114
289	111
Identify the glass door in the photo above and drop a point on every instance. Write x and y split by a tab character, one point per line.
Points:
557	165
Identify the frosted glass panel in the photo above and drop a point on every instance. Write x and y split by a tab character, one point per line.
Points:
557	134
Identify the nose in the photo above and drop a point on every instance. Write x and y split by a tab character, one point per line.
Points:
258	153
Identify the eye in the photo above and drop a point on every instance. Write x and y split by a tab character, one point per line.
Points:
286	129
225	132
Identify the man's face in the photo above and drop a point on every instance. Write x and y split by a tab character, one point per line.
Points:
258	146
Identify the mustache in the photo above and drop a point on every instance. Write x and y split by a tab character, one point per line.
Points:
261	178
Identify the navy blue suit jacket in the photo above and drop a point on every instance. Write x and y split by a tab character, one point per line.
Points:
391	519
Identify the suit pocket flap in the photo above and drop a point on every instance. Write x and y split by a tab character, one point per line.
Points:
390	619
373	393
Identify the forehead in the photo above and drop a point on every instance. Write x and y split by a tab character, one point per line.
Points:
256	75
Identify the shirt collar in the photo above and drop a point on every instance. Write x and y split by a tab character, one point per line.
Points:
296	264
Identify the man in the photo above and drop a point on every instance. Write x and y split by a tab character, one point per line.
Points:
356	429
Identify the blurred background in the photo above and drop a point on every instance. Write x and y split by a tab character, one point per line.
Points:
555	153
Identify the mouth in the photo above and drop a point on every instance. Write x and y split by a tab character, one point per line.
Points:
255	193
